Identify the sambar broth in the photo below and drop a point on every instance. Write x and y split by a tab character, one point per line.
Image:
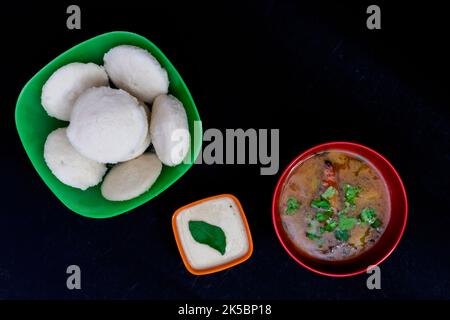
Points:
334	205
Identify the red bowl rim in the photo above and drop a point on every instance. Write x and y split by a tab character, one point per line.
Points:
321	147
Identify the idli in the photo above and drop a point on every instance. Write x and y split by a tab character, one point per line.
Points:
69	166
66	84
130	179
169	130
147	140
135	70
107	125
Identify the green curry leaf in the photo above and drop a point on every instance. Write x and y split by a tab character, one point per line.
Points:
208	234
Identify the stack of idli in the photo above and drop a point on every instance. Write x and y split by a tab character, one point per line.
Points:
114	127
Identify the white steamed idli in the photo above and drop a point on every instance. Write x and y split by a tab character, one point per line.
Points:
169	130
70	167
130	179
66	84
135	70
107	125
146	143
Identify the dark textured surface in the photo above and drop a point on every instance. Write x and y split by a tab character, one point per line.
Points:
315	72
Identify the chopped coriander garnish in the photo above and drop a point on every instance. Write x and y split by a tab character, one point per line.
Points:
346	208
351	193
331	225
324	215
342	227
312	236
329	193
368	215
320	204
341	235
292	206
324	220
346	223
313	230
376	224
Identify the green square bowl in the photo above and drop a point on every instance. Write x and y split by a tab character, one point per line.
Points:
34	125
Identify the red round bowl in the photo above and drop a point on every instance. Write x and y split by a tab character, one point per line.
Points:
387	242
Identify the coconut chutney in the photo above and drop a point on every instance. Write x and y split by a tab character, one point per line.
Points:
222	212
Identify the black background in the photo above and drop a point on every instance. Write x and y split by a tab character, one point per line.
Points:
313	71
